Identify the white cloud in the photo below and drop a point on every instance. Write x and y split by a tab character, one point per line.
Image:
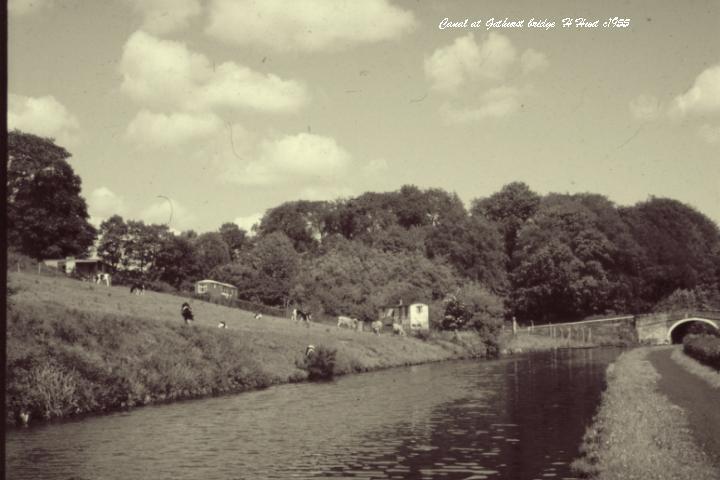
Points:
703	97
168	212
451	66
248	221
291	159
157	130
23	7
495	103
307	25
645	107
104	203
165	73
710	133
532	60
43	116
165	16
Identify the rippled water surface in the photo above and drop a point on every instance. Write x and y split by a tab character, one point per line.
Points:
515	418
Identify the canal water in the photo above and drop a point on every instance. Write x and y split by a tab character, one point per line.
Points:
514	418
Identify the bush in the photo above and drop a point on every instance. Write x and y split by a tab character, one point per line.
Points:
703	348
320	365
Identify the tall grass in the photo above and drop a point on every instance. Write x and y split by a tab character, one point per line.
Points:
63	362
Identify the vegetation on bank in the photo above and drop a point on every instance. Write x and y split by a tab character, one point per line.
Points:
709	375
638	433
703	348
76	347
541	258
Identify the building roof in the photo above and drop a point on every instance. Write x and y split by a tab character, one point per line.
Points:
217	283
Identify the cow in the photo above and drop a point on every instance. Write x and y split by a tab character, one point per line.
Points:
310	350
187	313
377	326
398	329
347	322
303	316
258	316
138	288
222	324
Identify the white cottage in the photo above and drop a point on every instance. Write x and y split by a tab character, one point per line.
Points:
412	317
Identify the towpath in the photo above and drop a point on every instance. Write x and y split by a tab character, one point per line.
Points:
700	401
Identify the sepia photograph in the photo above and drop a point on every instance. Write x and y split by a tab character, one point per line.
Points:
362	239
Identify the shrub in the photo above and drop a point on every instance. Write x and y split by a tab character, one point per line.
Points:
320	365
703	348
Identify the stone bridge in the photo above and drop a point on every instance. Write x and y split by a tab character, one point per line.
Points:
654	328
671	327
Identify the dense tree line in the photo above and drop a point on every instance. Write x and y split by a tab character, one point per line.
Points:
513	254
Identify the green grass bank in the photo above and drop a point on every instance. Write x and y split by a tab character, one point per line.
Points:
76	348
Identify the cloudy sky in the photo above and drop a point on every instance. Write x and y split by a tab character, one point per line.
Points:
230	107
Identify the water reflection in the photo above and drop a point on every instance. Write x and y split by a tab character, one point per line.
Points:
518	418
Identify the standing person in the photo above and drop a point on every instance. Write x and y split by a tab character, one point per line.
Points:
187	313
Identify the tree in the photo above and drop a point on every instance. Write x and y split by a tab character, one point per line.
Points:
681	247
46	215
113	235
303	222
235	238
211	251
143	244
474	247
176	262
510	208
266	272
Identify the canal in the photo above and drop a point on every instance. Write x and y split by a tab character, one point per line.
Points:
515	418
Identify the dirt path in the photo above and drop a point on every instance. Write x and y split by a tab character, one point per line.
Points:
696	397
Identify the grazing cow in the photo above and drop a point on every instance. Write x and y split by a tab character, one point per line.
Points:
222	324
24	417
258	316
376	327
138	288
347	322
187	313
310	350
398	329
303	316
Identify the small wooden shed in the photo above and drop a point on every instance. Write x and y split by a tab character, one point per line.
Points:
412	317
216	289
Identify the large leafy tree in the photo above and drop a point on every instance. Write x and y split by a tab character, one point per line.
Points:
473	246
113	235
176	262
211	251
681	247
510	208
235	238
264	273
46	215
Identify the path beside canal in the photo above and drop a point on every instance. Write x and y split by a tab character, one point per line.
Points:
700	402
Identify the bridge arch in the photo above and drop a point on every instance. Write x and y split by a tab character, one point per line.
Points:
670	338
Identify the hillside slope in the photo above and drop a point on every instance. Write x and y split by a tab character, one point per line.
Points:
76	347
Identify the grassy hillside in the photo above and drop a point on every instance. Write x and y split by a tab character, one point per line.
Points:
76	347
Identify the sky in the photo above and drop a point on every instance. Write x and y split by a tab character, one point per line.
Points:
198	112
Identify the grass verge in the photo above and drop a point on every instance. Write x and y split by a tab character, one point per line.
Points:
711	376
638	433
